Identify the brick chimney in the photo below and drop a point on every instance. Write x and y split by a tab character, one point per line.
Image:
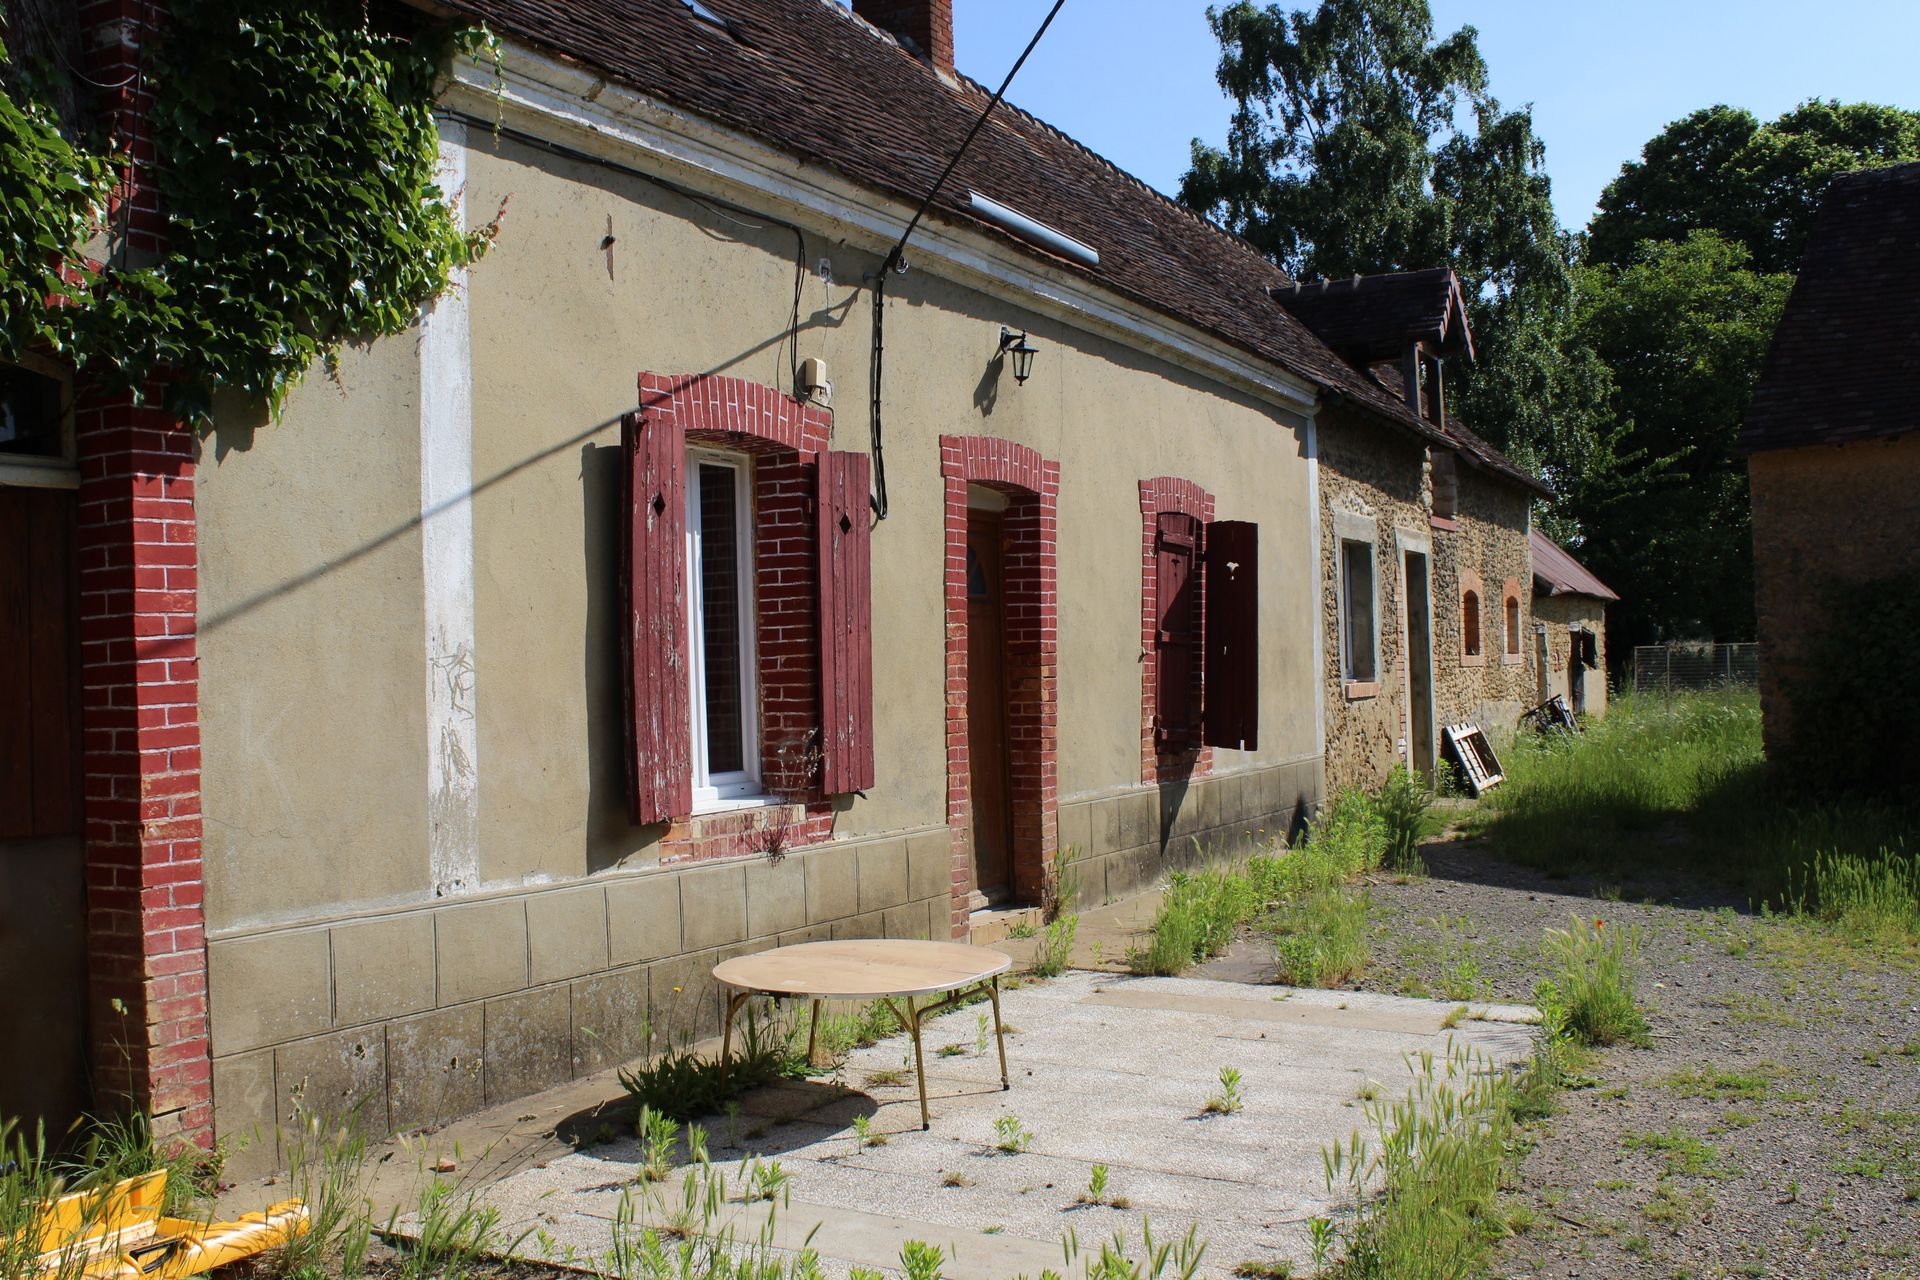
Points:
924	26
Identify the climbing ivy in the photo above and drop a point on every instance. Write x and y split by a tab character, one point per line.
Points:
298	157
51	194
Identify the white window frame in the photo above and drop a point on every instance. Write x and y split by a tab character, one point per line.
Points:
736	788
29	471
1346	609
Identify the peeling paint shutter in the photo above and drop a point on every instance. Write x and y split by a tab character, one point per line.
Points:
1176	636
1233	635
653	573
846	623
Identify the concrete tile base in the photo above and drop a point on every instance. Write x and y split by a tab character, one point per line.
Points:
1107	1069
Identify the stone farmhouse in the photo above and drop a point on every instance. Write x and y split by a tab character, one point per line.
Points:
688	581
1833	434
1570	628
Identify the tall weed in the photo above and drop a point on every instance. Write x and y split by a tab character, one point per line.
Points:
1197	919
1320	940
1404	806
1591	992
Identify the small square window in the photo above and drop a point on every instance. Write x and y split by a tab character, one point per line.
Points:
1358	640
33	419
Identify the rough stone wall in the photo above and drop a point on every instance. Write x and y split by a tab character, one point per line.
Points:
1560	615
1375	477
1821	515
1489	543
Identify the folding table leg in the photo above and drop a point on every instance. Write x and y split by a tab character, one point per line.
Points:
999	1030
919	1061
734	1000
813	1032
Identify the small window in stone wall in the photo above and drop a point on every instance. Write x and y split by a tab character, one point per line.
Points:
1513	626
1470	624
1358	639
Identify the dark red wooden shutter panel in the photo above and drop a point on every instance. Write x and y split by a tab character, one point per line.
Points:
653	564
1177	638
1232	712
846	623
39	709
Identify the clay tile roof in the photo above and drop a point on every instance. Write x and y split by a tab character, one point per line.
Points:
1845	361
1378	315
1559	574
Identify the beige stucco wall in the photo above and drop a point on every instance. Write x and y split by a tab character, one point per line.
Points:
332	961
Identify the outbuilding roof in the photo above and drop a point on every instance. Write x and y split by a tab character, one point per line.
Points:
816	81
1366	317
1559	574
1845	361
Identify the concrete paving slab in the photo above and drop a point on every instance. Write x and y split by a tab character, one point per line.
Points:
1107	1070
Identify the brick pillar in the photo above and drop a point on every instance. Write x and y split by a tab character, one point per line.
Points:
140	720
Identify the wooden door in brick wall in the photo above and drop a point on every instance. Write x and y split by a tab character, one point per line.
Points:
1419	664
42	860
989	765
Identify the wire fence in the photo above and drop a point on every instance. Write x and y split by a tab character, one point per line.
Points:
1663	668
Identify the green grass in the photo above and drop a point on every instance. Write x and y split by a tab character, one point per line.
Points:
1684	1155
1591	991
1197	919
1320	940
1683	783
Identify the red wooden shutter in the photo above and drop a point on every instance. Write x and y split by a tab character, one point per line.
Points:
653	573
1176	639
846	623
39	763
1232	714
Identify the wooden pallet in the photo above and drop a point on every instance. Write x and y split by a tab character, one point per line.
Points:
1467	746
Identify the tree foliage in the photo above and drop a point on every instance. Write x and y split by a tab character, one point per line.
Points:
1360	142
1758	185
298	155
1683	332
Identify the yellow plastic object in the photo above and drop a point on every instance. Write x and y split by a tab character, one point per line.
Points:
119	1234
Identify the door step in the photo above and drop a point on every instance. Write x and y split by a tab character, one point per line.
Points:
997	924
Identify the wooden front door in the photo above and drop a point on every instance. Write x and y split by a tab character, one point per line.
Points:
987	756
43	905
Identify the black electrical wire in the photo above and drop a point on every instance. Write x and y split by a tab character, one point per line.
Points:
895	260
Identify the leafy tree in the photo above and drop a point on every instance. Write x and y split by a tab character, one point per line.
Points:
1683	331
1758	185
1347	152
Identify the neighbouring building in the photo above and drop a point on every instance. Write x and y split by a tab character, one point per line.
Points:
429	745
1424	551
1833	436
1570	629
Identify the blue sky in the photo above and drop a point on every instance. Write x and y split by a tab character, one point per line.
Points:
1133	79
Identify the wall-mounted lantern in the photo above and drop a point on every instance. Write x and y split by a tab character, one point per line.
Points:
1015	346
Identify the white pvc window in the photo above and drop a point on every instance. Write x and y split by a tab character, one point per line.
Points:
725	703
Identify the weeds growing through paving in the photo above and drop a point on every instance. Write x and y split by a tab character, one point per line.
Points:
1010	1136
1056	947
1405	805
1229	1099
659	1134
1591	991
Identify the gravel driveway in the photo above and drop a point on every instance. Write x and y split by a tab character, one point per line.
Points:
1772	1129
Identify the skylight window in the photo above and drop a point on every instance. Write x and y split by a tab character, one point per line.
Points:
705	14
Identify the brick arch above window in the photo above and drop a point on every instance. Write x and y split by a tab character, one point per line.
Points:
1166	503
714	408
1473	597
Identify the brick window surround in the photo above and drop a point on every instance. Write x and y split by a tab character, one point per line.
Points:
1513	618
1032	486
1473	619
785	438
1159	496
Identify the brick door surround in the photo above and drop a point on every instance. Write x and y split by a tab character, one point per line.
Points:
1032	485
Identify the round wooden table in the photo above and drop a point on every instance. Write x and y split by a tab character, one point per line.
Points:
887	970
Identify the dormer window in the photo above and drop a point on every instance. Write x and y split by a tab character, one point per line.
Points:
1433	396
